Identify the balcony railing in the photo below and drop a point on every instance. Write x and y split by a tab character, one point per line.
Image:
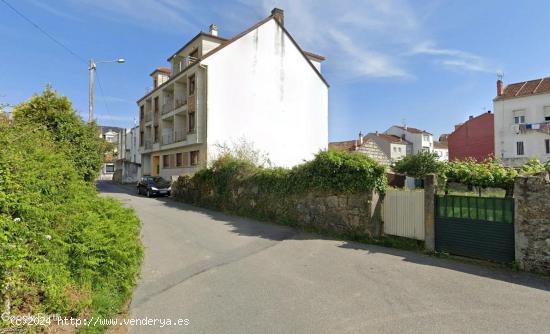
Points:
148	117
167	107
183	63
180	102
148	144
167	139
180	135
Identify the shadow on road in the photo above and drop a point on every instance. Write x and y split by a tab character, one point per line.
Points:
266	230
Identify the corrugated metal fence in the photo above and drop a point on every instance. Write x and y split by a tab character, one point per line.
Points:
403	213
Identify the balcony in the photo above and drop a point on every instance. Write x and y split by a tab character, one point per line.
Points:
148	144
167	139
167	107
180	102
180	135
148	117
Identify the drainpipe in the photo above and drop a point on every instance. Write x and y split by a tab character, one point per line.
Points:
205	67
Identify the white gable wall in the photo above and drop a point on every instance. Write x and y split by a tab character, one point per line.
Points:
261	88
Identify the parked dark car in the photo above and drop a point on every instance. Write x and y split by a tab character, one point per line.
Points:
154	186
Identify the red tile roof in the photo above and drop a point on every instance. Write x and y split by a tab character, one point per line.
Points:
161	69
441	145
388	138
412	130
525	88
348	145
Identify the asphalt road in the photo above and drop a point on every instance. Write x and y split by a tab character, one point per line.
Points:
233	275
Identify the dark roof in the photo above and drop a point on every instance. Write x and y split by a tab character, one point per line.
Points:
348	145
388	138
315	56
161	69
411	129
202	33
525	88
440	144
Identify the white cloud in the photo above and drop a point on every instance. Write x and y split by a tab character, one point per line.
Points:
160	14
452	58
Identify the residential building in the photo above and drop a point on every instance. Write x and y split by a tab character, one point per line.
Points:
522	121
258	86
128	163
365	146
473	138
109	134
420	140
393	146
441	148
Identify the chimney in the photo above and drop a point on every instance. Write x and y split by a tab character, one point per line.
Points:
499	87
376	132
471	117
213	30
360	138
279	16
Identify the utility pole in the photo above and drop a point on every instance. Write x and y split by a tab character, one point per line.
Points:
91	68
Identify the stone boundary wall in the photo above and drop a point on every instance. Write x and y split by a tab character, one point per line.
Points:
532	222
343	214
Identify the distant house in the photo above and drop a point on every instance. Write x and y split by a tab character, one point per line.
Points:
109	134
128	163
365	146
473	138
421	141
522	121
393	146
442	150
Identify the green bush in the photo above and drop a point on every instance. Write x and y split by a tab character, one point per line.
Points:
331	171
419	165
63	249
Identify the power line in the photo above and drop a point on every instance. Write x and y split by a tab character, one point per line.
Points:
44	31
102	95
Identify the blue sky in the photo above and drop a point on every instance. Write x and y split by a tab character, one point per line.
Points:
429	64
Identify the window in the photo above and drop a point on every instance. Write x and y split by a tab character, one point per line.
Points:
519	116
547	114
547	145
192	122
519	148
179	159
166	161
192	85
395	149
156	133
141	138
195	53
519	119
109	168
426	137
155	83
141	112
194	157
156	104
399	149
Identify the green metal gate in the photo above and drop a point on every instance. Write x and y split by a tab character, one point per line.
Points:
479	227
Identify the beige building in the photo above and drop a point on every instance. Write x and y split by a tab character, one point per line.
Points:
258	86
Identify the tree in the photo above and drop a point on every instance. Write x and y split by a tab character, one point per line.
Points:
418	165
81	141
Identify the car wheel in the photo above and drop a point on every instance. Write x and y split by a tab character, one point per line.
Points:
148	193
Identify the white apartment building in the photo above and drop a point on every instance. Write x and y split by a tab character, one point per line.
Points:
522	121
258	86
420	140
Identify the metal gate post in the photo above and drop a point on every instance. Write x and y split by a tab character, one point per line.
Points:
430	184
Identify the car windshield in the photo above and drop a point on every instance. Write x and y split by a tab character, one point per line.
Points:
158	180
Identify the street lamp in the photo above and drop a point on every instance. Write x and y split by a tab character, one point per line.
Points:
91	68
